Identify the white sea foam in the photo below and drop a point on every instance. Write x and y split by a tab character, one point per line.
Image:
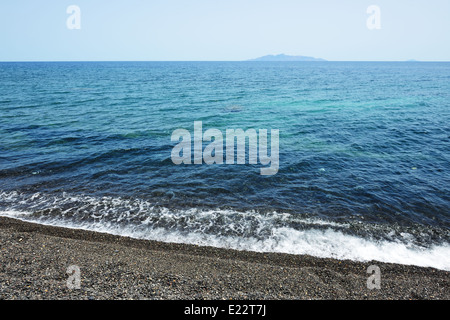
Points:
326	241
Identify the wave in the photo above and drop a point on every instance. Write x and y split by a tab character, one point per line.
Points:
225	228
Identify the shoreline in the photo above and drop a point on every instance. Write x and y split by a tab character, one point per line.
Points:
34	261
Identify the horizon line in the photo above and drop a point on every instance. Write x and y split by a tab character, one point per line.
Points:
250	60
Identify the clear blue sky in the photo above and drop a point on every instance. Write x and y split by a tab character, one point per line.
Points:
224	30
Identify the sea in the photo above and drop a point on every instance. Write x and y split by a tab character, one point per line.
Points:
364	154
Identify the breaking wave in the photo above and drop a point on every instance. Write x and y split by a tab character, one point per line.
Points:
225	228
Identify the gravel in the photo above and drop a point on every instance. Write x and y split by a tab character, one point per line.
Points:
35	258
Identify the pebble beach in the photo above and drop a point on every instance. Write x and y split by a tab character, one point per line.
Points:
35	259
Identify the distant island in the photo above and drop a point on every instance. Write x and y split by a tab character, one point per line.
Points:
283	57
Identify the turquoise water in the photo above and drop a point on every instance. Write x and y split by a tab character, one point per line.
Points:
363	165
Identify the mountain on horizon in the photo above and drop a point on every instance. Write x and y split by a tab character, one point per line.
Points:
284	57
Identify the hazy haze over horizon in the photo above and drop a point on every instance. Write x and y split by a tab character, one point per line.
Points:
201	30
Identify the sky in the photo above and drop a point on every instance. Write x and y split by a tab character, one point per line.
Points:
223	30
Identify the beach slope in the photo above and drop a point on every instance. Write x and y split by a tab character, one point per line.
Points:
35	259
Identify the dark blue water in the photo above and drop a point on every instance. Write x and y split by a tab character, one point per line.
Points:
364	154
